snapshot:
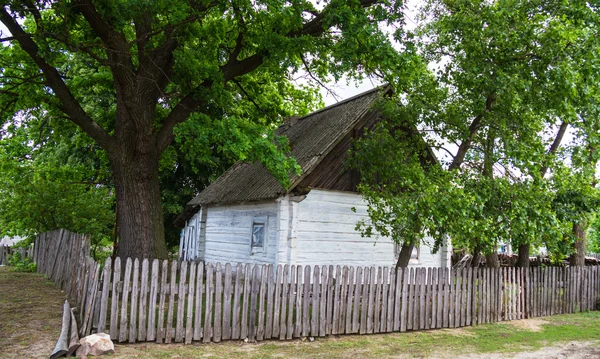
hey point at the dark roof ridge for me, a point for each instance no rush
(383, 88)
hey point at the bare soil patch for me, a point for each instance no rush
(571, 350)
(30, 315)
(533, 325)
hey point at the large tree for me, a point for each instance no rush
(128, 72)
(506, 79)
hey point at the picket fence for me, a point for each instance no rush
(162, 301)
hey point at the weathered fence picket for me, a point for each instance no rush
(185, 302)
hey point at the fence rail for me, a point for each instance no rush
(175, 301)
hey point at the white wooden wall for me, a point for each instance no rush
(228, 233)
(326, 234)
(315, 229)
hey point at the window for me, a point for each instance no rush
(259, 235)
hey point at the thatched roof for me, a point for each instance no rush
(311, 138)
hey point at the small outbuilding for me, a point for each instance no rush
(246, 216)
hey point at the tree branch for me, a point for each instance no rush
(473, 128)
(554, 147)
(69, 104)
(234, 68)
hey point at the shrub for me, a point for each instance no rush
(21, 264)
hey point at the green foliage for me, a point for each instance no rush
(40, 192)
(21, 264)
(202, 84)
(502, 77)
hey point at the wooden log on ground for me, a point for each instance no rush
(74, 338)
(62, 345)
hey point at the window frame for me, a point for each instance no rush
(263, 220)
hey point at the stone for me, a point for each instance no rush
(94, 345)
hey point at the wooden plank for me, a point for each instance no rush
(253, 303)
(245, 302)
(189, 319)
(262, 293)
(134, 301)
(428, 298)
(114, 302)
(440, 297)
(306, 302)
(464, 296)
(181, 292)
(226, 326)
(284, 301)
(331, 280)
(106, 274)
(277, 302)
(357, 300)
(91, 295)
(422, 297)
(398, 298)
(237, 299)
(124, 302)
(534, 289)
(453, 294)
(314, 322)
(198, 329)
(434, 298)
(169, 333)
(323, 305)
(218, 300)
(349, 302)
(270, 300)
(384, 300)
(520, 293)
(160, 332)
(299, 292)
(391, 289)
(291, 303)
(208, 306)
(371, 303)
(469, 303)
(143, 313)
(364, 305)
(377, 304)
(410, 299)
(341, 284)
(404, 300)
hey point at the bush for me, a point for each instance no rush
(21, 264)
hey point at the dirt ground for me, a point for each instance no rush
(30, 320)
(30, 315)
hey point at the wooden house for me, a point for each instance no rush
(246, 216)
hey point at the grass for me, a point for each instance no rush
(491, 338)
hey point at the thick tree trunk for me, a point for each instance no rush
(523, 257)
(405, 254)
(491, 260)
(578, 258)
(140, 220)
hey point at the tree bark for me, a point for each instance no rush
(523, 257)
(140, 220)
(491, 260)
(405, 254)
(578, 258)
